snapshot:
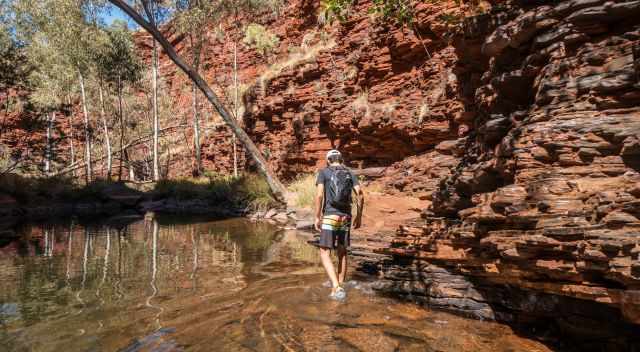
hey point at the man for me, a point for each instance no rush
(334, 185)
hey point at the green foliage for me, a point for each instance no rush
(59, 42)
(399, 11)
(256, 192)
(13, 62)
(261, 39)
(116, 58)
(52, 75)
(334, 9)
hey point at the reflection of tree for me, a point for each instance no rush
(98, 273)
(68, 256)
(85, 257)
(154, 271)
(105, 266)
(195, 237)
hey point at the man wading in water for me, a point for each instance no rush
(333, 217)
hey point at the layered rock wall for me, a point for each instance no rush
(544, 199)
(378, 92)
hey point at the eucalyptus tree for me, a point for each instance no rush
(64, 25)
(148, 23)
(14, 66)
(156, 11)
(191, 19)
(49, 79)
(151, 7)
(117, 65)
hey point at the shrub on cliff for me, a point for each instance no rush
(261, 39)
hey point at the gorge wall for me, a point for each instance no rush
(519, 128)
(377, 92)
(539, 216)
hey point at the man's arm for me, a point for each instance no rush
(359, 206)
(319, 203)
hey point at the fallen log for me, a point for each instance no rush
(81, 164)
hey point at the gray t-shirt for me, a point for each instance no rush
(324, 176)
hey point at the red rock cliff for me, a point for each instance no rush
(521, 128)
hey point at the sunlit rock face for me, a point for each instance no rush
(545, 196)
(378, 92)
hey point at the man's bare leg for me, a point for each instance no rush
(325, 257)
(342, 264)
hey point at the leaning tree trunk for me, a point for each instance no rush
(105, 128)
(196, 48)
(156, 124)
(276, 187)
(87, 131)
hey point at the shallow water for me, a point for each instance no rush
(208, 286)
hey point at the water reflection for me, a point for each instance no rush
(166, 285)
(102, 275)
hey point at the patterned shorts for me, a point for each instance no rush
(335, 231)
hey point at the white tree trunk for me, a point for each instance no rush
(122, 131)
(87, 131)
(71, 147)
(156, 124)
(49, 151)
(235, 106)
(105, 128)
(196, 130)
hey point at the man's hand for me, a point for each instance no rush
(318, 223)
(357, 222)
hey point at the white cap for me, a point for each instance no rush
(333, 152)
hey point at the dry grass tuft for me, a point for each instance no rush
(361, 104)
(303, 189)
